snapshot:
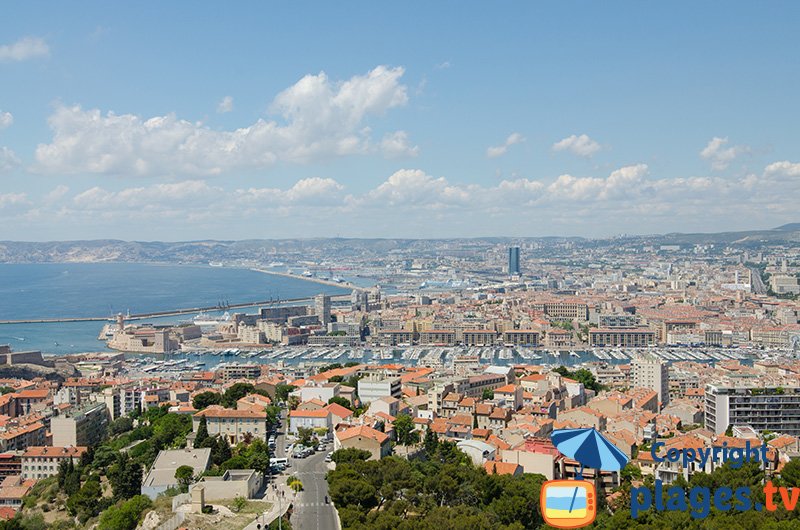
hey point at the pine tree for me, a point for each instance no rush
(202, 432)
(431, 442)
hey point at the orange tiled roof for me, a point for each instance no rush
(364, 432)
(53, 452)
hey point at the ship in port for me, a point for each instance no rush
(204, 319)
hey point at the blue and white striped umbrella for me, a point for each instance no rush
(590, 448)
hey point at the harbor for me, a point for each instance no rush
(438, 357)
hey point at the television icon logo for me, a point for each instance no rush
(568, 503)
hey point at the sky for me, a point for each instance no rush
(211, 120)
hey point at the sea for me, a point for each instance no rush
(68, 290)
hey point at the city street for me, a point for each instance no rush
(310, 510)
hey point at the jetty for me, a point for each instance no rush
(170, 312)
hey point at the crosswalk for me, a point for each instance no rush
(309, 504)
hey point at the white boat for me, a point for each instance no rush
(204, 319)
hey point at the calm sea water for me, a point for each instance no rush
(32, 291)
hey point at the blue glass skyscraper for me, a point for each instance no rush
(513, 261)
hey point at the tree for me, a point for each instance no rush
(791, 473)
(260, 462)
(236, 392)
(126, 515)
(84, 504)
(339, 400)
(87, 458)
(350, 455)
(202, 432)
(184, 475)
(170, 430)
(273, 414)
(220, 450)
(239, 503)
(404, 428)
(72, 482)
(120, 425)
(488, 393)
(125, 477)
(282, 391)
(431, 442)
(205, 399)
(304, 435)
(630, 472)
(6, 390)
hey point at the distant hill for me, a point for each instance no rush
(320, 249)
(791, 227)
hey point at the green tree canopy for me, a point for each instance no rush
(205, 399)
(236, 392)
(339, 400)
(404, 429)
(184, 475)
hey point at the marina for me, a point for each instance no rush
(439, 357)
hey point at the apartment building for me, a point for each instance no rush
(234, 425)
(42, 461)
(624, 337)
(521, 337)
(479, 337)
(438, 337)
(80, 426)
(775, 409)
(232, 372)
(653, 373)
(372, 388)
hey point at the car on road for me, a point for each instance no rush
(328, 457)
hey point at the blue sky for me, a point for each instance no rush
(427, 119)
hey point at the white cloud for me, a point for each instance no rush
(414, 186)
(500, 150)
(314, 190)
(396, 145)
(444, 65)
(25, 48)
(411, 202)
(155, 197)
(784, 168)
(8, 160)
(6, 119)
(225, 105)
(618, 183)
(10, 200)
(719, 155)
(55, 195)
(321, 119)
(578, 145)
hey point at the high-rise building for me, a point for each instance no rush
(322, 308)
(775, 409)
(650, 372)
(513, 261)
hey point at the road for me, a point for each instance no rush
(310, 510)
(757, 284)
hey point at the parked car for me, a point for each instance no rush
(328, 457)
